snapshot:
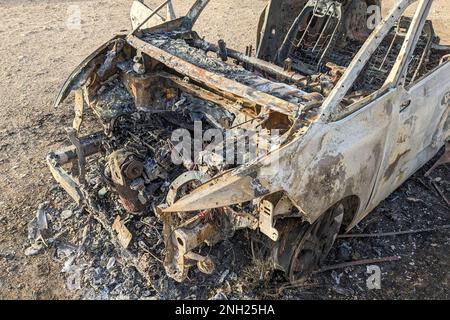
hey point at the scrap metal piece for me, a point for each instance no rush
(90, 145)
(66, 181)
(183, 180)
(79, 109)
(180, 241)
(222, 53)
(241, 220)
(227, 189)
(266, 220)
(123, 234)
(55, 160)
(81, 161)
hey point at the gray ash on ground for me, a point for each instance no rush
(95, 267)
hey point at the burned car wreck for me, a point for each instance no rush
(337, 116)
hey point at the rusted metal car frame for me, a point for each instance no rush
(338, 156)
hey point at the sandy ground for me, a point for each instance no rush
(37, 52)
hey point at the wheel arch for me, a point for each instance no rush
(350, 203)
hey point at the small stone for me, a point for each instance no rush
(33, 250)
(223, 276)
(102, 192)
(68, 265)
(111, 263)
(344, 251)
(219, 296)
(232, 276)
(66, 214)
(343, 291)
(336, 277)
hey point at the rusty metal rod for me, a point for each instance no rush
(357, 263)
(389, 234)
(441, 193)
(90, 145)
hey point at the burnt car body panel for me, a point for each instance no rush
(339, 148)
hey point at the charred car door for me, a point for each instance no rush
(422, 106)
(405, 75)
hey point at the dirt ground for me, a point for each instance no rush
(38, 51)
